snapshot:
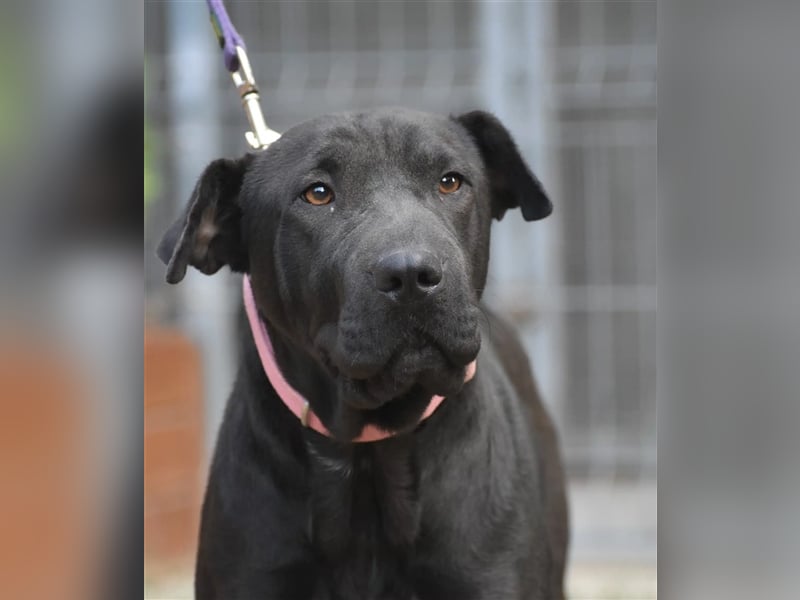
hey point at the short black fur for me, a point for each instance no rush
(467, 504)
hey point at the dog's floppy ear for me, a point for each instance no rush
(511, 182)
(208, 235)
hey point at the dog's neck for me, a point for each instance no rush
(363, 497)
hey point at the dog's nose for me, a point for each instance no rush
(407, 275)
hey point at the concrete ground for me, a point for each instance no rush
(584, 582)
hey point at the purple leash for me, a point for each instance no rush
(227, 35)
(233, 51)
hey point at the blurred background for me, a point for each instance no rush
(575, 83)
(70, 299)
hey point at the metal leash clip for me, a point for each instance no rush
(260, 136)
(236, 62)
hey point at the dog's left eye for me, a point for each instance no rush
(318, 194)
(449, 183)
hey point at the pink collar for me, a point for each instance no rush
(291, 397)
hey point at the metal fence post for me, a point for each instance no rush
(207, 302)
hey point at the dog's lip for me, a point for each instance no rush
(365, 370)
(327, 363)
(353, 367)
(366, 400)
(357, 372)
(387, 385)
(370, 364)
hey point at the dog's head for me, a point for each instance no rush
(366, 237)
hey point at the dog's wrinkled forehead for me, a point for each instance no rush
(376, 144)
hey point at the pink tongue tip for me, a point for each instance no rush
(471, 368)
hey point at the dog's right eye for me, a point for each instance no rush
(450, 183)
(318, 194)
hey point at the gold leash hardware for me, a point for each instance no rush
(304, 415)
(260, 136)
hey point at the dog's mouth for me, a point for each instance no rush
(415, 370)
(387, 376)
(409, 373)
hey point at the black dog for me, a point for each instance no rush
(366, 241)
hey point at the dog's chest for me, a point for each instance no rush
(364, 518)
